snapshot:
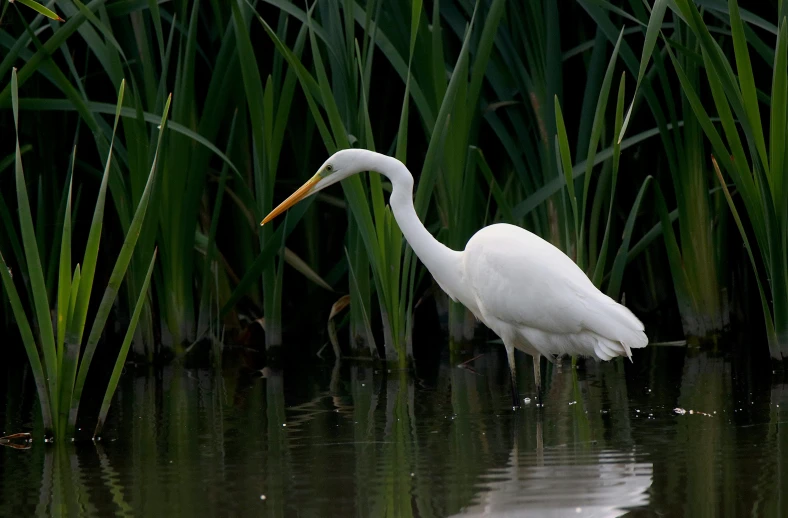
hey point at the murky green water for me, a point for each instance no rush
(355, 442)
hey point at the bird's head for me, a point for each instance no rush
(342, 164)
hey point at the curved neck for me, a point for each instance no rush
(441, 261)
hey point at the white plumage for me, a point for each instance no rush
(534, 296)
(523, 288)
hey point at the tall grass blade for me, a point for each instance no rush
(652, 32)
(29, 342)
(597, 126)
(746, 79)
(210, 252)
(35, 272)
(40, 9)
(10, 233)
(373, 348)
(124, 349)
(116, 277)
(681, 282)
(72, 300)
(601, 260)
(261, 120)
(76, 324)
(620, 262)
(64, 277)
(564, 161)
(94, 237)
(767, 313)
(495, 190)
(778, 119)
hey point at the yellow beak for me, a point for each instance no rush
(294, 198)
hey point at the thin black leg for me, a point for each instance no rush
(515, 394)
(513, 371)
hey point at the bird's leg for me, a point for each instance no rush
(538, 376)
(515, 394)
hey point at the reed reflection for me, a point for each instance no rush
(353, 439)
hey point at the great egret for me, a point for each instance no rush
(527, 291)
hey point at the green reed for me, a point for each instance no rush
(394, 274)
(695, 258)
(702, 300)
(559, 197)
(181, 224)
(756, 165)
(379, 236)
(59, 361)
(37, 7)
(757, 170)
(465, 68)
(460, 206)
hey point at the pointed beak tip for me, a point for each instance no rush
(294, 198)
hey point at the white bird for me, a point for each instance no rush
(534, 297)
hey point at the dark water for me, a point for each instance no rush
(351, 441)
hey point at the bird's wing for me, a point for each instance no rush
(523, 280)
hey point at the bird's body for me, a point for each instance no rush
(526, 290)
(534, 296)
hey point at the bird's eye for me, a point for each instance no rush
(329, 168)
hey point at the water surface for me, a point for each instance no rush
(678, 433)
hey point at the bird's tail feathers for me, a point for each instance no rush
(616, 329)
(607, 349)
